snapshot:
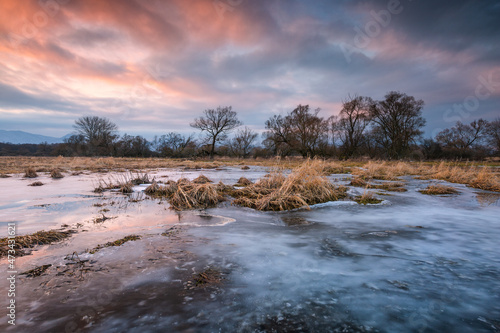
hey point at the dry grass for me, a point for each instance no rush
(384, 170)
(118, 242)
(37, 271)
(335, 168)
(29, 241)
(243, 182)
(209, 276)
(475, 174)
(186, 194)
(305, 186)
(438, 190)
(36, 184)
(245, 167)
(201, 179)
(56, 174)
(389, 186)
(30, 173)
(3, 175)
(358, 181)
(367, 198)
(477, 177)
(189, 195)
(123, 183)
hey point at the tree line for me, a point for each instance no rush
(390, 128)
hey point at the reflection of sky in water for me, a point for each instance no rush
(417, 263)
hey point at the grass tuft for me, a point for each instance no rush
(201, 179)
(117, 242)
(30, 173)
(37, 271)
(56, 174)
(367, 198)
(305, 186)
(30, 241)
(209, 276)
(36, 184)
(438, 190)
(243, 182)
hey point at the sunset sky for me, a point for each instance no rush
(153, 66)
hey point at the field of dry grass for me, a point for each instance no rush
(475, 174)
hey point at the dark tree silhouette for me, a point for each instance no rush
(302, 130)
(99, 133)
(354, 119)
(461, 138)
(398, 121)
(217, 124)
(242, 143)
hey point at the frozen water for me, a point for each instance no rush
(415, 264)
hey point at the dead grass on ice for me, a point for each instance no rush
(304, 186)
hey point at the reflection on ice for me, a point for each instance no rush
(419, 264)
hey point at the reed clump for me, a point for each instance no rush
(384, 170)
(358, 181)
(243, 182)
(56, 174)
(477, 177)
(305, 186)
(186, 194)
(29, 241)
(201, 179)
(389, 186)
(30, 173)
(124, 183)
(367, 198)
(438, 189)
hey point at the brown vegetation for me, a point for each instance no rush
(56, 174)
(305, 186)
(207, 277)
(30, 173)
(186, 194)
(115, 243)
(29, 241)
(474, 174)
(36, 184)
(37, 271)
(201, 179)
(367, 198)
(438, 189)
(243, 182)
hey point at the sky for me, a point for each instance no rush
(153, 66)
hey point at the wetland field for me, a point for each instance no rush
(159, 245)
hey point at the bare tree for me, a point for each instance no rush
(302, 130)
(354, 119)
(462, 137)
(278, 136)
(493, 134)
(398, 121)
(174, 144)
(99, 133)
(217, 124)
(242, 143)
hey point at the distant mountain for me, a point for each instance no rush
(18, 137)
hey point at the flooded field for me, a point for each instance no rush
(412, 263)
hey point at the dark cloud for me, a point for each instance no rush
(155, 65)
